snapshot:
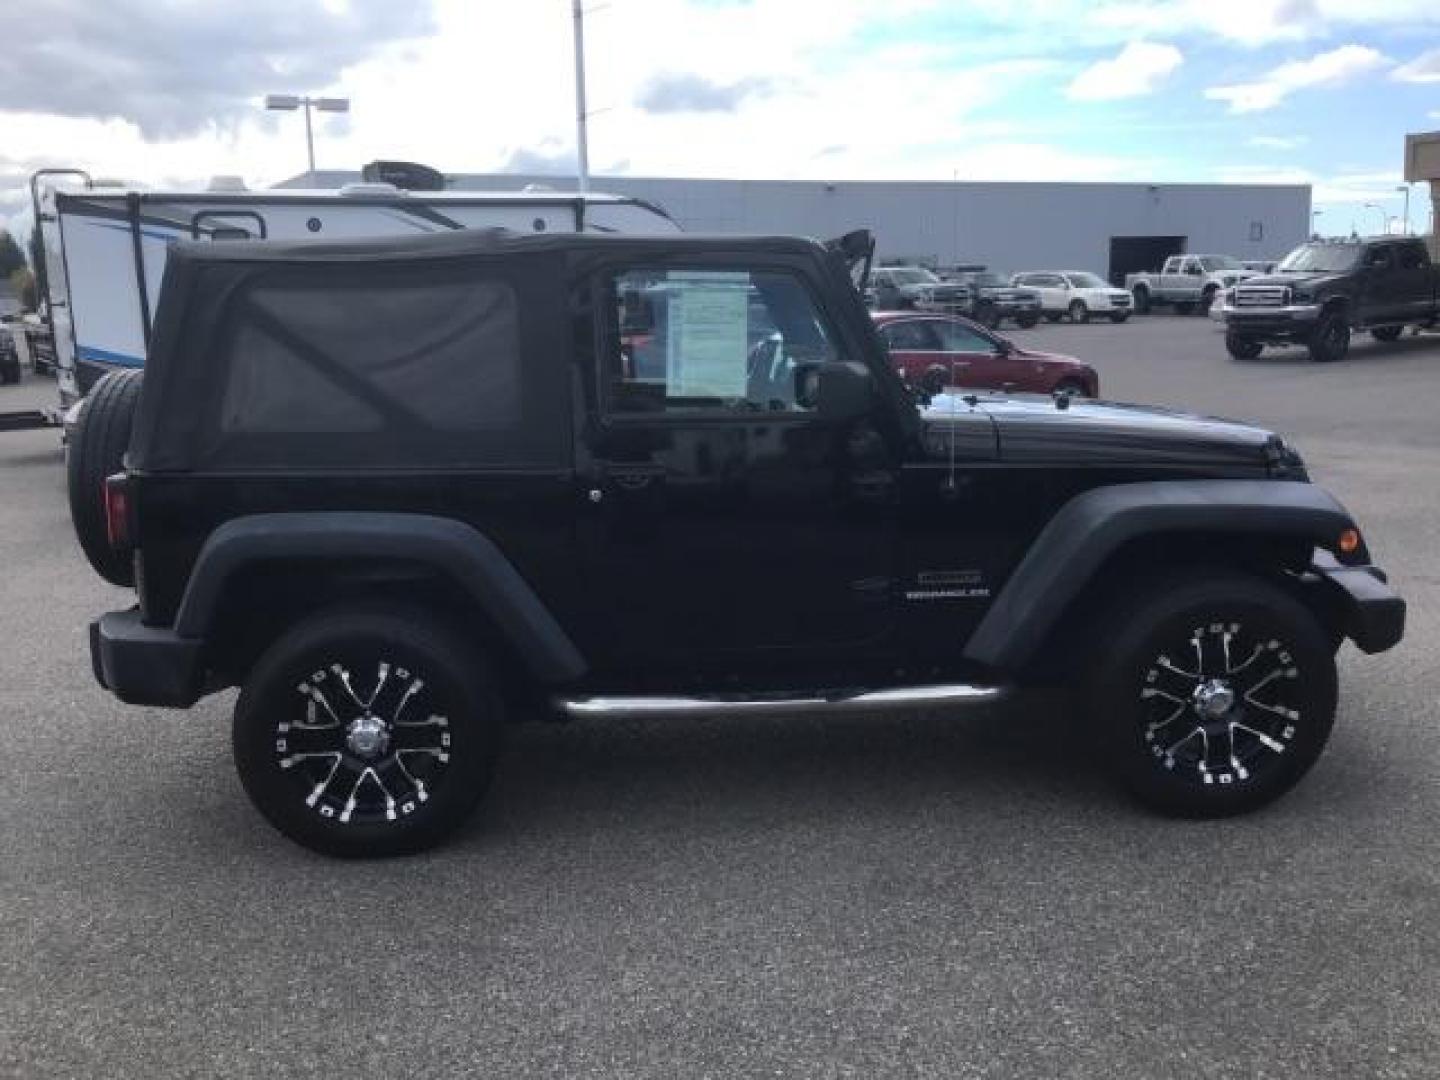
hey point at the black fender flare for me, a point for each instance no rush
(457, 550)
(1092, 526)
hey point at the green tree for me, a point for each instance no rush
(11, 257)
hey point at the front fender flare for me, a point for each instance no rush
(455, 549)
(1095, 524)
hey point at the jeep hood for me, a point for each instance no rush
(1030, 428)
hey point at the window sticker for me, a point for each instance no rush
(708, 334)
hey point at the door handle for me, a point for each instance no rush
(634, 477)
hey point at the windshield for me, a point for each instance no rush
(1087, 280)
(1320, 259)
(1220, 262)
(912, 275)
(988, 278)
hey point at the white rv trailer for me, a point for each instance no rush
(105, 247)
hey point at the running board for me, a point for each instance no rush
(840, 701)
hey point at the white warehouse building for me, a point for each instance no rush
(1112, 229)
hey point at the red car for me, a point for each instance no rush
(966, 354)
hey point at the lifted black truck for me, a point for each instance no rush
(400, 491)
(1325, 290)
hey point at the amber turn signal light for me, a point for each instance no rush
(1349, 542)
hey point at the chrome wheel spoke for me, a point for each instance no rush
(364, 749)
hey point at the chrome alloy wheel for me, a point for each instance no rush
(363, 748)
(1221, 707)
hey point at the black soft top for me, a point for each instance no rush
(479, 242)
(444, 350)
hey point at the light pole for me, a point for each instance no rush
(582, 138)
(1405, 188)
(291, 102)
(1384, 218)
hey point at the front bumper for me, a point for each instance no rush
(1367, 609)
(1289, 320)
(145, 665)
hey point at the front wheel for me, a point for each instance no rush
(1330, 340)
(1142, 301)
(1241, 347)
(1118, 317)
(1386, 333)
(1213, 696)
(1052, 316)
(367, 732)
(1079, 313)
(1027, 321)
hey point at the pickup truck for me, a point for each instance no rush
(1186, 281)
(1324, 290)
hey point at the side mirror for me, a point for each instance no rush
(836, 390)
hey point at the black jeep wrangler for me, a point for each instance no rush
(401, 491)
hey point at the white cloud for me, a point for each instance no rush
(1254, 22)
(1138, 69)
(1324, 69)
(1425, 68)
(1344, 188)
(1278, 142)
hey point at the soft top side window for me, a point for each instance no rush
(720, 341)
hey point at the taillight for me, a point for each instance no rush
(117, 511)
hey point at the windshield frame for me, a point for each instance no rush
(1084, 279)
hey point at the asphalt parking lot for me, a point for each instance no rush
(936, 895)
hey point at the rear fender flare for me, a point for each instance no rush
(457, 550)
(1092, 526)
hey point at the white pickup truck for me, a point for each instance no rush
(1189, 282)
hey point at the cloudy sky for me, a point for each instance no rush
(167, 92)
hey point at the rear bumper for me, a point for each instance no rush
(144, 665)
(1369, 611)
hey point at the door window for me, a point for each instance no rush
(1412, 257)
(719, 341)
(912, 336)
(1378, 259)
(957, 337)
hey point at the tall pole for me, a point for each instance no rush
(1407, 209)
(582, 144)
(309, 141)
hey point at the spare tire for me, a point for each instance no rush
(97, 450)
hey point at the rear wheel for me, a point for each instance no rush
(1078, 312)
(97, 450)
(1241, 347)
(367, 733)
(1184, 307)
(1207, 298)
(1386, 333)
(1142, 301)
(1052, 316)
(1213, 696)
(1027, 321)
(1330, 340)
(9, 366)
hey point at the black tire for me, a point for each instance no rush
(1330, 340)
(436, 781)
(1027, 321)
(1241, 347)
(1184, 307)
(97, 450)
(1118, 317)
(987, 315)
(1071, 386)
(1178, 758)
(1142, 301)
(1386, 333)
(9, 363)
(1078, 312)
(1207, 299)
(1052, 316)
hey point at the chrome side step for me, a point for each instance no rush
(840, 701)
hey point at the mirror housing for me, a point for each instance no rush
(836, 390)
